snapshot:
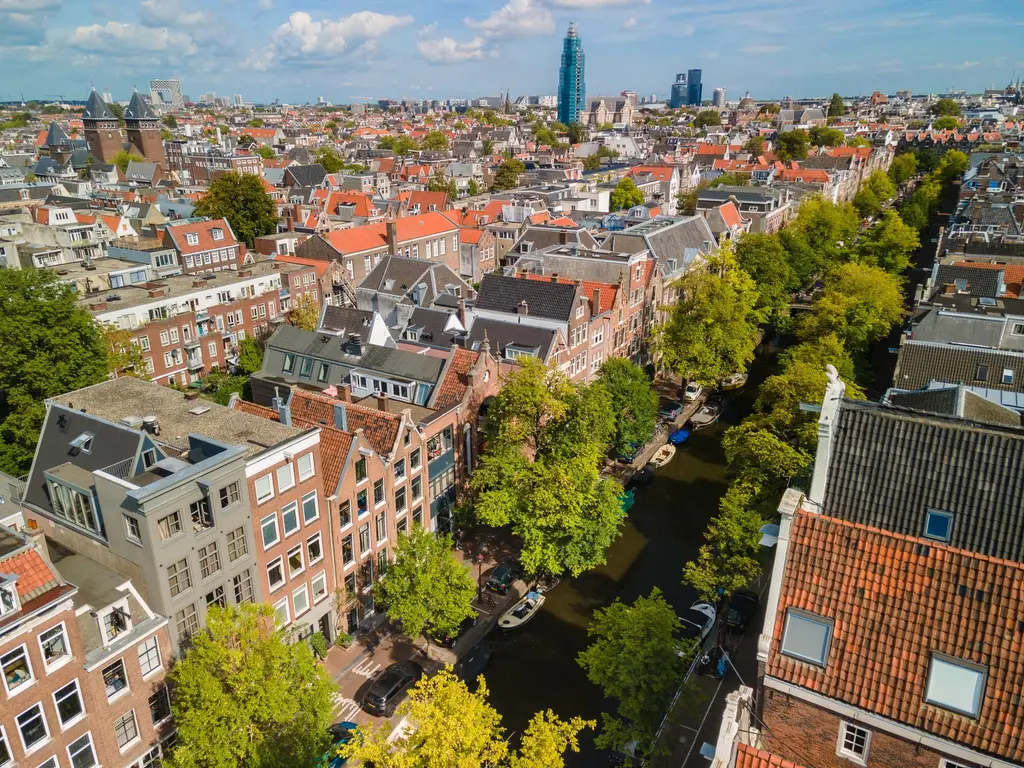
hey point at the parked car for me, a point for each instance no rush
(340, 733)
(503, 578)
(388, 688)
(448, 641)
(629, 455)
(741, 609)
(473, 663)
(669, 409)
(692, 392)
(697, 621)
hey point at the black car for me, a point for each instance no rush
(503, 578)
(472, 665)
(741, 609)
(448, 641)
(388, 689)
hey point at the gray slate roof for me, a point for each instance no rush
(922, 362)
(346, 320)
(954, 400)
(96, 108)
(980, 280)
(138, 109)
(501, 334)
(888, 467)
(959, 328)
(543, 299)
(305, 175)
(55, 136)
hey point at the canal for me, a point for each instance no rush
(535, 669)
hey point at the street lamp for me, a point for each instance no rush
(479, 575)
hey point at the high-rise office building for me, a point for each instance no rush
(678, 97)
(236, 100)
(718, 98)
(694, 88)
(572, 88)
(166, 94)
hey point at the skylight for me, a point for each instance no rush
(806, 637)
(955, 685)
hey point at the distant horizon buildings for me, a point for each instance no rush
(166, 93)
(687, 90)
(718, 98)
(572, 85)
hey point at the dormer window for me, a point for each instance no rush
(192, 238)
(115, 623)
(218, 233)
(82, 443)
(8, 598)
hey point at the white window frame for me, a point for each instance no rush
(7, 746)
(61, 661)
(92, 748)
(967, 666)
(263, 498)
(841, 749)
(321, 578)
(134, 538)
(316, 507)
(145, 650)
(138, 734)
(294, 506)
(305, 595)
(279, 473)
(284, 574)
(815, 619)
(81, 701)
(302, 556)
(304, 473)
(283, 603)
(46, 727)
(33, 678)
(277, 532)
(309, 560)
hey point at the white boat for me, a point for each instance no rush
(706, 416)
(734, 381)
(522, 612)
(663, 455)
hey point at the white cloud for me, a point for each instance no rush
(629, 23)
(170, 13)
(520, 18)
(583, 4)
(763, 49)
(428, 30)
(447, 50)
(265, 5)
(115, 36)
(29, 6)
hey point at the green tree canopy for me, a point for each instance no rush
(472, 189)
(836, 108)
(634, 658)
(435, 141)
(427, 590)
(241, 199)
(508, 174)
(876, 191)
(945, 107)
(441, 184)
(820, 136)
(860, 304)
(124, 157)
(577, 133)
(170, 121)
(820, 237)
(487, 147)
(264, 151)
(712, 330)
(118, 111)
(256, 122)
(400, 145)
(903, 167)
(755, 146)
(49, 345)
(791, 145)
(888, 244)
(764, 259)
(945, 123)
(305, 313)
(707, 117)
(858, 141)
(634, 402)
(625, 195)
(244, 694)
(245, 140)
(539, 471)
(329, 159)
(124, 356)
(250, 355)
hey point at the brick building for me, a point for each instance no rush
(204, 245)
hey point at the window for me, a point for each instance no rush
(81, 752)
(268, 528)
(1018, 329)
(236, 544)
(305, 464)
(178, 577)
(192, 238)
(126, 729)
(296, 561)
(382, 562)
(115, 622)
(149, 656)
(347, 553)
(209, 560)
(32, 726)
(54, 645)
(414, 459)
(229, 495)
(275, 574)
(187, 622)
(174, 335)
(360, 470)
(68, 701)
(854, 742)
(938, 524)
(242, 583)
(17, 670)
(149, 457)
(417, 488)
(382, 527)
(362, 505)
(955, 685)
(5, 749)
(165, 339)
(319, 585)
(216, 597)
(400, 503)
(982, 373)
(417, 516)
(306, 367)
(132, 531)
(309, 508)
(170, 526)
(281, 612)
(364, 538)
(378, 493)
(264, 489)
(289, 363)
(314, 549)
(50, 762)
(300, 601)
(402, 526)
(290, 519)
(322, 371)
(115, 678)
(806, 637)
(160, 706)
(218, 233)
(285, 478)
(1007, 377)
(74, 506)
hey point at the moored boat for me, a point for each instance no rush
(522, 612)
(734, 381)
(663, 455)
(707, 415)
(681, 435)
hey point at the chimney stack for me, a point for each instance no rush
(826, 429)
(461, 312)
(391, 229)
(382, 401)
(523, 308)
(345, 393)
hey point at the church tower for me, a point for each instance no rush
(101, 131)
(143, 128)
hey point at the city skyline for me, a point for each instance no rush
(296, 50)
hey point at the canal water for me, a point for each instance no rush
(535, 668)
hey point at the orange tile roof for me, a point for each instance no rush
(455, 383)
(425, 199)
(319, 266)
(470, 236)
(1013, 275)
(362, 204)
(204, 231)
(372, 236)
(711, 149)
(562, 221)
(660, 172)
(730, 214)
(894, 601)
(807, 175)
(752, 757)
(379, 427)
(600, 295)
(34, 574)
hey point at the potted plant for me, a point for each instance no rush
(344, 640)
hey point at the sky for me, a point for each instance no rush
(350, 50)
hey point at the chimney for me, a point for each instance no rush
(554, 277)
(382, 401)
(391, 229)
(461, 312)
(354, 345)
(341, 416)
(826, 424)
(523, 308)
(296, 211)
(291, 223)
(345, 393)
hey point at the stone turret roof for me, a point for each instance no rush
(138, 109)
(96, 108)
(55, 136)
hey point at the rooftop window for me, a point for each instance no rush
(938, 524)
(955, 684)
(806, 637)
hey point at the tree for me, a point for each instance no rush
(706, 118)
(712, 330)
(487, 147)
(559, 127)
(473, 189)
(118, 111)
(626, 195)
(755, 146)
(766, 261)
(332, 127)
(124, 356)
(441, 184)
(860, 304)
(633, 657)
(634, 402)
(945, 123)
(508, 174)
(427, 591)
(305, 313)
(49, 345)
(686, 202)
(876, 191)
(264, 151)
(945, 107)
(250, 355)
(888, 244)
(836, 108)
(31, 178)
(329, 158)
(256, 122)
(820, 136)
(791, 145)
(245, 695)
(400, 145)
(820, 237)
(858, 141)
(241, 199)
(577, 133)
(170, 121)
(245, 140)
(903, 167)
(124, 157)
(453, 726)
(539, 471)
(435, 141)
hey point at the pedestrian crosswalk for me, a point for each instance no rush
(345, 708)
(366, 668)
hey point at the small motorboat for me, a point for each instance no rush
(734, 381)
(663, 456)
(681, 435)
(522, 612)
(706, 416)
(643, 476)
(547, 583)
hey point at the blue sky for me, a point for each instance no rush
(343, 50)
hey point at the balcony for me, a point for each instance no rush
(195, 362)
